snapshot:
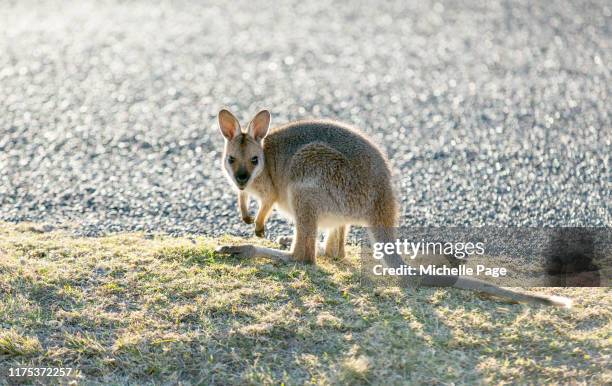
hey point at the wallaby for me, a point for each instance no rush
(323, 175)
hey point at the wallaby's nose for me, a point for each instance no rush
(242, 176)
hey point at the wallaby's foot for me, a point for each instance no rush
(334, 243)
(248, 251)
(248, 219)
(284, 241)
(334, 252)
(243, 251)
(260, 232)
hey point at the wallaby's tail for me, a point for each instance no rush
(383, 230)
(387, 234)
(470, 284)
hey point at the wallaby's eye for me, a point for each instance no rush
(254, 160)
(231, 159)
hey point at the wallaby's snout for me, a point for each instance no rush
(243, 156)
(242, 177)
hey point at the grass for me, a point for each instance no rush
(162, 310)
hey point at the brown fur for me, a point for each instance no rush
(327, 176)
(324, 175)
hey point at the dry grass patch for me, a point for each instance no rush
(162, 310)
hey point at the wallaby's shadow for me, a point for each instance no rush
(404, 323)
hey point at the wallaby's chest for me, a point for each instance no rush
(280, 200)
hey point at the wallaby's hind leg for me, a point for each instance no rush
(333, 246)
(304, 246)
(334, 243)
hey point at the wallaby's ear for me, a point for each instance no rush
(258, 128)
(228, 124)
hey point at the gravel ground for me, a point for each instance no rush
(491, 112)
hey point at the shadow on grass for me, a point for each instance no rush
(416, 335)
(189, 314)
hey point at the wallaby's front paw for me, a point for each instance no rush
(248, 219)
(237, 250)
(260, 232)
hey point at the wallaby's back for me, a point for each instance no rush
(349, 174)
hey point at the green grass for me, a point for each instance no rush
(130, 308)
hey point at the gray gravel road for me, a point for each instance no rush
(491, 112)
